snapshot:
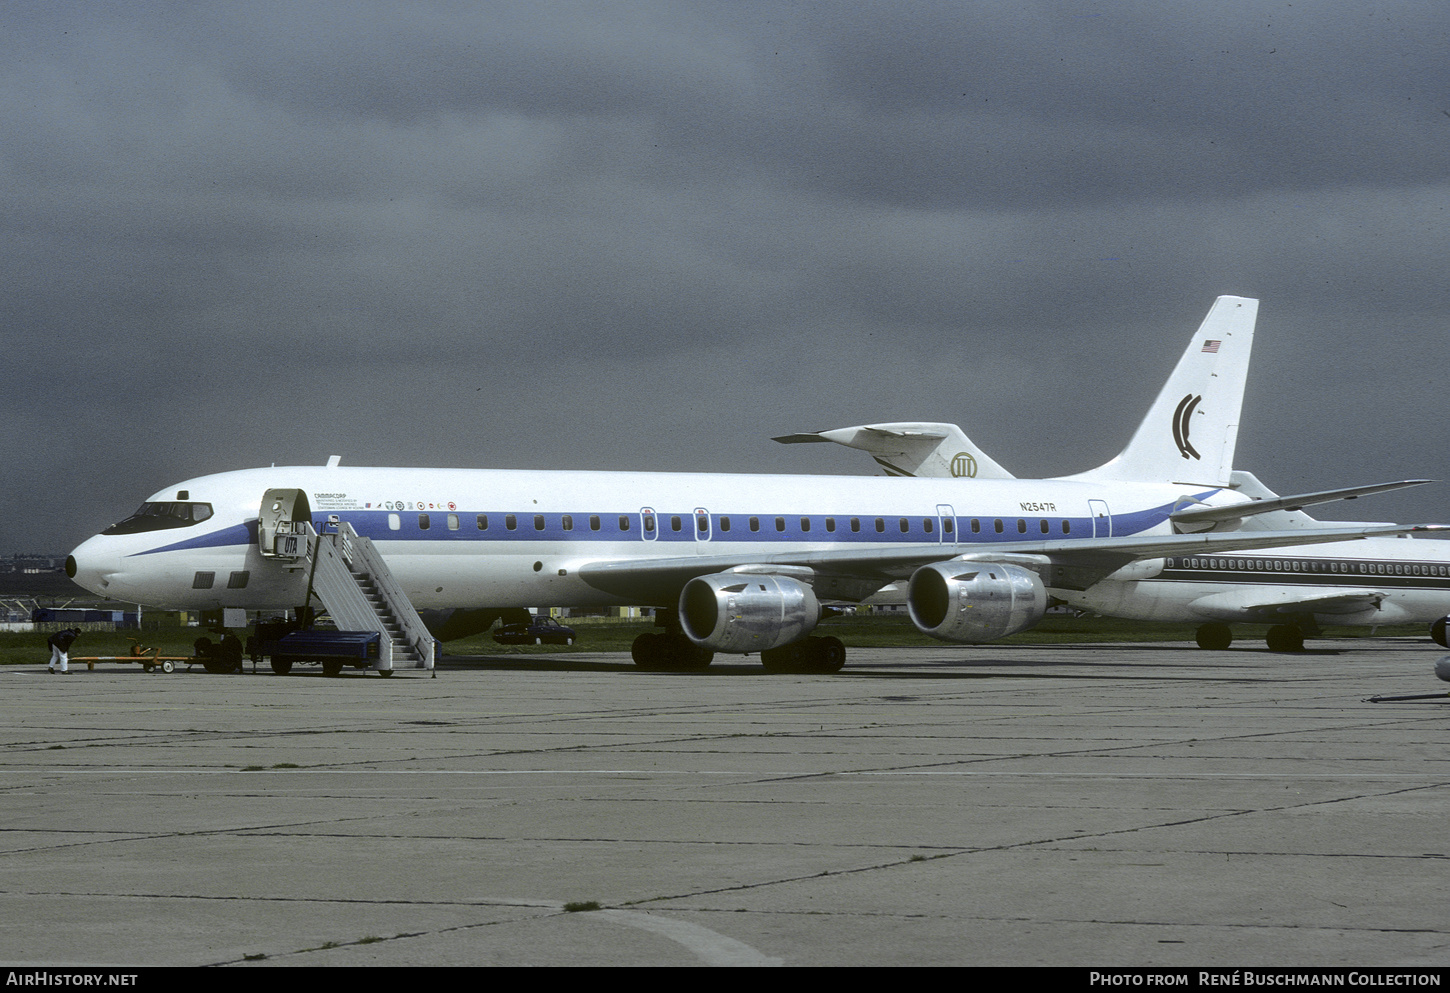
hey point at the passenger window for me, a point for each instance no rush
(880, 525)
(1066, 526)
(511, 522)
(976, 526)
(724, 524)
(483, 522)
(1043, 522)
(593, 522)
(702, 523)
(423, 522)
(675, 523)
(538, 522)
(755, 524)
(453, 522)
(855, 525)
(997, 524)
(905, 527)
(568, 522)
(830, 525)
(948, 526)
(805, 524)
(395, 523)
(649, 523)
(927, 525)
(623, 522)
(780, 524)
(1021, 526)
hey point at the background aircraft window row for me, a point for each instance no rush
(1314, 566)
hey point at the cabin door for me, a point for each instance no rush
(277, 533)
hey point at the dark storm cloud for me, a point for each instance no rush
(653, 235)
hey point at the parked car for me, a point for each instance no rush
(539, 630)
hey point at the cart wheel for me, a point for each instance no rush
(167, 667)
(148, 668)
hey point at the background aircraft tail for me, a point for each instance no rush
(1191, 430)
(912, 448)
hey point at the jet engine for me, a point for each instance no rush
(738, 612)
(973, 602)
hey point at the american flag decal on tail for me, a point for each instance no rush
(1210, 345)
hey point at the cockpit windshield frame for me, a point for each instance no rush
(162, 516)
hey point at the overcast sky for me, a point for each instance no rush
(653, 235)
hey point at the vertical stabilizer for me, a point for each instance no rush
(1191, 430)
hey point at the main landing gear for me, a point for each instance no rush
(1216, 636)
(670, 651)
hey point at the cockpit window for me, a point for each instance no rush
(161, 516)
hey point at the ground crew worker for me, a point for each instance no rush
(60, 643)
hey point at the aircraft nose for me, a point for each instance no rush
(92, 566)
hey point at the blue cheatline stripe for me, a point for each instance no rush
(374, 524)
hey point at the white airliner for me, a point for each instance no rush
(735, 563)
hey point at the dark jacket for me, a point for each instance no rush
(62, 640)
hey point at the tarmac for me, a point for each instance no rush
(1086, 805)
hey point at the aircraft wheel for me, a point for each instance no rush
(794, 657)
(1214, 637)
(1438, 634)
(332, 667)
(828, 655)
(692, 656)
(1285, 638)
(646, 652)
(281, 664)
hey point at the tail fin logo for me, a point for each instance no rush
(1181, 424)
(964, 466)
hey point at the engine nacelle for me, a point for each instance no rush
(737, 612)
(973, 602)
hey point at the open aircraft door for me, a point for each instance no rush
(279, 524)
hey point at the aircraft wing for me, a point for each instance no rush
(1209, 516)
(854, 574)
(1245, 603)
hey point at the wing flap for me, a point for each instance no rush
(1245, 603)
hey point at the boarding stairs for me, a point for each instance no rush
(360, 594)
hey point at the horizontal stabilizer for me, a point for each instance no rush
(1200, 516)
(912, 448)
